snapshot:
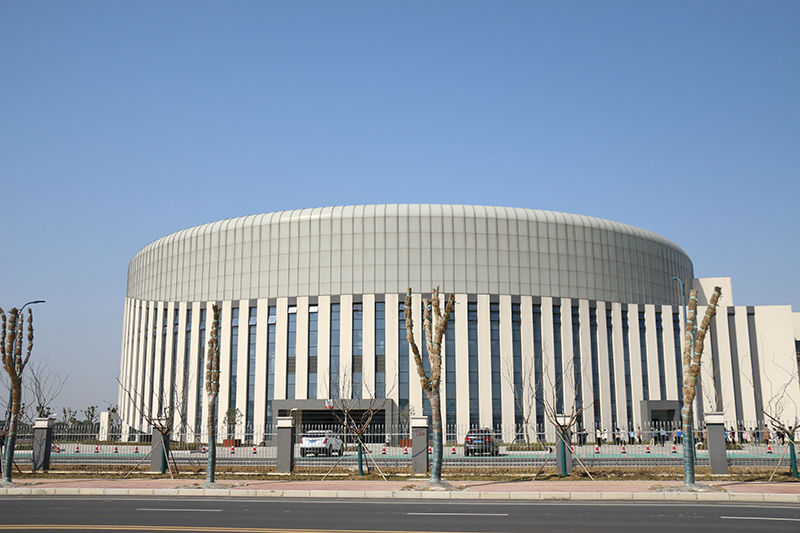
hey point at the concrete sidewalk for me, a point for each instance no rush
(785, 492)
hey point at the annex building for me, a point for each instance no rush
(550, 307)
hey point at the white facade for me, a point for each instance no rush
(309, 294)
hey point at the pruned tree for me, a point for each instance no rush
(212, 392)
(435, 324)
(692, 353)
(14, 362)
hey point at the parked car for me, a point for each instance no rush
(321, 443)
(480, 441)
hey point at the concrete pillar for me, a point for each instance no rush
(42, 442)
(419, 444)
(717, 454)
(285, 438)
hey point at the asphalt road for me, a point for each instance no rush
(276, 515)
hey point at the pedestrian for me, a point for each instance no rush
(631, 437)
(598, 437)
(639, 434)
(766, 434)
(678, 436)
(662, 434)
(605, 435)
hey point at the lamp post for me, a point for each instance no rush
(31, 303)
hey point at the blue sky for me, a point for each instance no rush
(121, 122)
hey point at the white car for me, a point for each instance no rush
(321, 442)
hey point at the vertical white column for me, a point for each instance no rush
(368, 346)
(548, 363)
(346, 346)
(672, 376)
(281, 344)
(507, 368)
(301, 353)
(605, 369)
(484, 361)
(392, 349)
(324, 347)
(462, 360)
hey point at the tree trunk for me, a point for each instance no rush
(438, 442)
(11, 438)
(212, 439)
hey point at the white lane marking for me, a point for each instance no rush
(184, 510)
(760, 518)
(459, 514)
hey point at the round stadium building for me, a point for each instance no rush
(551, 308)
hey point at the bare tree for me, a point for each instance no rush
(163, 418)
(782, 410)
(355, 414)
(11, 341)
(434, 325)
(558, 396)
(692, 353)
(43, 387)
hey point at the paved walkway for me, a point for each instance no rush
(785, 492)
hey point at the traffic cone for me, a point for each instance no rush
(96, 449)
(648, 449)
(232, 449)
(454, 449)
(383, 450)
(203, 449)
(769, 448)
(77, 449)
(571, 448)
(596, 448)
(405, 450)
(136, 449)
(430, 449)
(116, 450)
(623, 449)
(674, 449)
(58, 448)
(254, 450)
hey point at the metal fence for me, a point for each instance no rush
(390, 448)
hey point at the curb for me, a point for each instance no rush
(406, 495)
